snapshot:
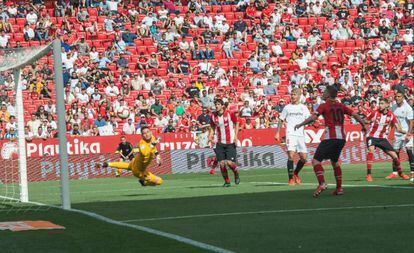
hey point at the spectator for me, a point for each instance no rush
(31, 17)
(156, 108)
(100, 121)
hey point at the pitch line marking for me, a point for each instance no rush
(269, 212)
(345, 185)
(175, 237)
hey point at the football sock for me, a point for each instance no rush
(299, 166)
(224, 173)
(318, 169)
(411, 159)
(397, 165)
(394, 168)
(370, 159)
(233, 167)
(338, 176)
(290, 168)
(119, 171)
(119, 165)
(214, 165)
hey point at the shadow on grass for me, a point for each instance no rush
(265, 185)
(204, 187)
(138, 195)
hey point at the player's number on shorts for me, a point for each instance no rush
(337, 115)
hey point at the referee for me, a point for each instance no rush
(125, 149)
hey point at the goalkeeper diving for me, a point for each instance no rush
(146, 151)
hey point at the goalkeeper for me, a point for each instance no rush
(146, 152)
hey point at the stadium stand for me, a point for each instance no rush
(164, 61)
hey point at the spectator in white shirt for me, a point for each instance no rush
(408, 36)
(301, 42)
(129, 127)
(111, 90)
(113, 5)
(335, 34)
(31, 17)
(297, 32)
(160, 121)
(4, 40)
(319, 55)
(28, 33)
(302, 62)
(83, 97)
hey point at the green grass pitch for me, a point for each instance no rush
(262, 214)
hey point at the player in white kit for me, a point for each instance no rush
(293, 114)
(404, 114)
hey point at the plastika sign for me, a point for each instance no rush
(170, 141)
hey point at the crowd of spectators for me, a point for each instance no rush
(166, 61)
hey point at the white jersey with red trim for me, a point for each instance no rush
(380, 124)
(223, 124)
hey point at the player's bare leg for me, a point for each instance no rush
(224, 173)
(319, 172)
(411, 160)
(290, 167)
(397, 164)
(233, 166)
(370, 160)
(212, 163)
(302, 161)
(338, 177)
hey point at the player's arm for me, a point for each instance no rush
(279, 128)
(155, 151)
(410, 125)
(398, 127)
(282, 118)
(307, 121)
(236, 127)
(360, 120)
(410, 129)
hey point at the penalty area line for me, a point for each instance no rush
(344, 185)
(269, 212)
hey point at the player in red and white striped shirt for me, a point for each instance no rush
(331, 147)
(225, 126)
(382, 121)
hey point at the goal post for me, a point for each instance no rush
(15, 59)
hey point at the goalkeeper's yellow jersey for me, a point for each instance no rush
(147, 152)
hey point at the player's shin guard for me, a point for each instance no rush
(370, 159)
(338, 177)
(319, 172)
(299, 166)
(290, 168)
(411, 159)
(224, 173)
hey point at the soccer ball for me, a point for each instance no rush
(123, 112)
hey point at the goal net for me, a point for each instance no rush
(28, 114)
